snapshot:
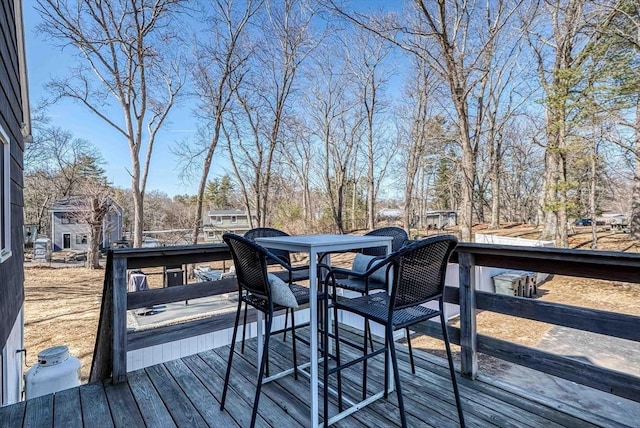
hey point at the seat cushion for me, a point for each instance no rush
(361, 263)
(259, 302)
(281, 293)
(357, 284)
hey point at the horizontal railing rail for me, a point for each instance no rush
(613, 266)
(110, 359)
(113, 341)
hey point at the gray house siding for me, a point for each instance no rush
(73, 230)
(11, 272)
(64, 223)
(12, 122)
(221, 221)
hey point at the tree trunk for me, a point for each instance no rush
(138, 213)
(635, 201)
(93, 254)
(592, 195)
(494, 178)
(468, 178)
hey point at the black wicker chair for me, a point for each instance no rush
(364, 285)
(250, 261)
(418, 271)
(297, 273)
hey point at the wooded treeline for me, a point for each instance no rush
(506, 110)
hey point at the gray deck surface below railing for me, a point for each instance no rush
(186, 393)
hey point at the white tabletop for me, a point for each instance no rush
(323, 243)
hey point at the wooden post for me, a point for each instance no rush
(119, 320)
(468, 339)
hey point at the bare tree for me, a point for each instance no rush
(458, 40)
(97, 201)
(217, 74)
(521, 180)
(335, 122)
(126, 55)
(367, 63)
(299, 156)
(621, 34)
(56, 164)
(416, 134)
(254, 133)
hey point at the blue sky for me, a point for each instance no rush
(44, 60)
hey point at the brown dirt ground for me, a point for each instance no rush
(62, 304)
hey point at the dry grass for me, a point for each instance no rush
(62, 307)
(62, 304)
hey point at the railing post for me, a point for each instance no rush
(468, 343)
(119, 320)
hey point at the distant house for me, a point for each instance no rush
(440, 219)
(70, 231)
(218, 222)
(390, 214)
(15, 131)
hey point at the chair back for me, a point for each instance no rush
(399, 235)
(268, 232)
(419, 271)
(250, 261)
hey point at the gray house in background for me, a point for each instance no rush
(218, 222)
(69, 230)
(15, 132)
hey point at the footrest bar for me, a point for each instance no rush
(352, 409)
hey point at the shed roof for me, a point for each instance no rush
(227, 212)
(76, 203)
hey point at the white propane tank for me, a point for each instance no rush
(55, 370)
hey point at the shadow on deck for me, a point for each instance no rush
(186, 393)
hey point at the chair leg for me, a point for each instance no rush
(337, 340)
(365, 348)
(452, 370)
(286, 321)
(396, 375)
(263, 362)
(325, 363)
(370, 335)
(413, 366)
(386, 365)
(293, 343)
(244, 327)
(233, 344)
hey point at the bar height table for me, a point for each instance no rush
(315, 245)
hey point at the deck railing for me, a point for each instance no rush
(114, 341)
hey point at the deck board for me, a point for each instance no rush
(153, 410)
(202, 399)
(13, 416)
(179, 405)
(123, 406)
(39, 412)
(65, 405)
(187, 393)
(95, 408)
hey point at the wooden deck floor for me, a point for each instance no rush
(186, 393)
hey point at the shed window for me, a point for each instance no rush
(81, 238)
(219, 219)
(5, 196)
(234, 219)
